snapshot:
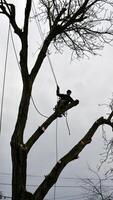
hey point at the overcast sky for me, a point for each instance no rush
(91, 81)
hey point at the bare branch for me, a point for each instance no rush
(45, 125)
(73, 154)
(9, 10)
(97, 188)
(84, 19)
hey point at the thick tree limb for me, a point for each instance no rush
(54, 31)
(73, 154)
(45, 125)
(24, 41)
(27, 14)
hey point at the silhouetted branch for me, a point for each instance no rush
(27, 14)
(45, 125)
(9, 10)
(82, 22)
(73, 154)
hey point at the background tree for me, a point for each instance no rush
(83, 26)
(97, 187)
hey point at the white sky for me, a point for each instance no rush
(90, 81)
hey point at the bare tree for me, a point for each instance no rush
(97, 187)
(107, 154)
(80, 25)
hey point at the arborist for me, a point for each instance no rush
(64, 100)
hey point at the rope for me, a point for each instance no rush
(67, 125)
(56, 139)
(15, 52)
(50, 63)
(20, 70)
(37, 108)
(56, 153)
(4, 79)
(42, 38)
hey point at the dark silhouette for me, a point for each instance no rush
(64, 100)
(79, 26)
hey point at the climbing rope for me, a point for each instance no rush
(56, 140)
(50, 63)
(37, 108)
(67, 124)
(4, 79)
(42, 38)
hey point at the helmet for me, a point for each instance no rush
(68, 92)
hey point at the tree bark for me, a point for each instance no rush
(19, 167)
(18, 148)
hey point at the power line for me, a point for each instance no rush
(57, 186)
(68, 196)
(62, 197)
(4, 79)
(62, 177)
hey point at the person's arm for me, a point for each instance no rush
(58, 90)
(58, 93)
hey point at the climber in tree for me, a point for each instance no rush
(64, 99)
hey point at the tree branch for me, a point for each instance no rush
(42, 53)
(73, 154)
(27, 14)
(45, 125)
(9, 11)
(24, 41)
(110, 116)
(78, 13)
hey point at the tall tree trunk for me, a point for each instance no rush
(19, 150)
(19, 168)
